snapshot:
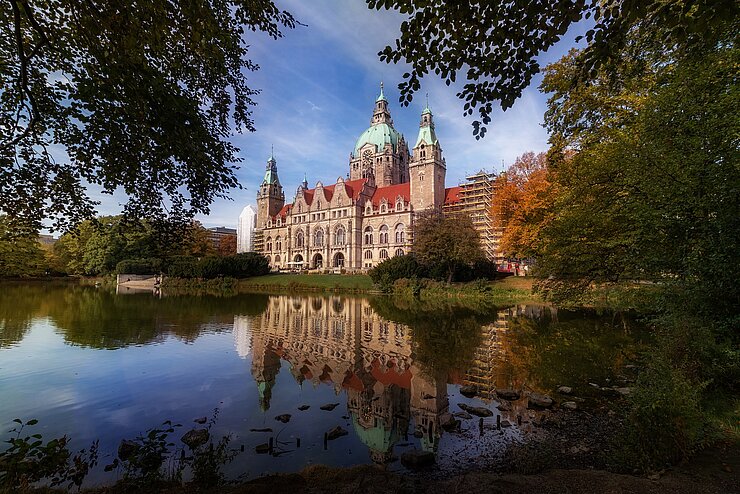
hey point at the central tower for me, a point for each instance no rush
(381, 151)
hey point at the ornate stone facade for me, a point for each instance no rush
(360, 221)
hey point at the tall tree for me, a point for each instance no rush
(522, 203)
(494, 45)
(651, 189)
(132, 95)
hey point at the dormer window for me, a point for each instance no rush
(368, 209)
(269, 223)
(383, 208)
(399, 206)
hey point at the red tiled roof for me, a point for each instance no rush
(390, 375)
(283, 212)
(353, 187)
(390, 193)
(452, 195)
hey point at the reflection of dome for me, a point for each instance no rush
(378, 438)
(380, 135)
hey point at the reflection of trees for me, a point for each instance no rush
(20, 303)
(445, 336)
(573, 348)
(98, 318)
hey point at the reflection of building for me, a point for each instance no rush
(364, 218)
(245, 230)
(345, 344)
(242, 335)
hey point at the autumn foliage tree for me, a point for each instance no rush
(522, 202)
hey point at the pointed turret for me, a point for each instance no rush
(270, 196)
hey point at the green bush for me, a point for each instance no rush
(237, 266)
(183, 267)
(387, 272)
(139, 266)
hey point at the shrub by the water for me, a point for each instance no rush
(395, 268)
(242, 265)
(139, 266)
(183, 267)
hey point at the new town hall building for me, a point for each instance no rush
(366, 218)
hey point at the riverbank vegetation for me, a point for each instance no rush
(637, 199)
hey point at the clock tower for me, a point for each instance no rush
(381, 150)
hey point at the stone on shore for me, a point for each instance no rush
(329, 406)
(569, 405)
(284, 418)
(565, 390)
(540, 401)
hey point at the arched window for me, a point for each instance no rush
(400, 233)
(277, 259)
(318, 239)
(368, 208)
(299, 239)
(384, 234)
(399, 252)
(268, 244)
(340, 238)
(368, 254)
(383, 208)
(269, 259)
(369, 235)
(399, 205)
(278, 243)
(383, 254)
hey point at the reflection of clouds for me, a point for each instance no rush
(242, 335)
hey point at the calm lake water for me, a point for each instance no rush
(93, 364)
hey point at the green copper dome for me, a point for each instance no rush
(380, 135)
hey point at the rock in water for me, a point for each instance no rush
(508, 394)
(266, 429)
(565, 390)
(448, 422)
(569, 405)
(262, 449)
(504, 406)
(336, 432)
(329, 406)
(196, 437)
(478, 411)
(417, 459)
(469, 391)
(201, 420)
(538, 400)
(463, 415)
(303, 408)
(284, 418)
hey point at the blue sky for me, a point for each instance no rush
(318, 86)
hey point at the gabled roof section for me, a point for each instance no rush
(391, 192)
(353, 187)
(452, 195)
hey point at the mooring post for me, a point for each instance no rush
(498, 421)
(270, 446)
(480, 425)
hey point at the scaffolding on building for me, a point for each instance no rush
(475, 201)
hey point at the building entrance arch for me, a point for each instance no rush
(339, 260)
(318, 261)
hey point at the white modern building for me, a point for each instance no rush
(245, 230)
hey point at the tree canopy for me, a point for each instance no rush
(447, 243)
(494, 45)
(141, 96)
